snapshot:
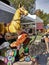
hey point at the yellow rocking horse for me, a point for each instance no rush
(15, 25)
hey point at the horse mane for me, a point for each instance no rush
(2, 28)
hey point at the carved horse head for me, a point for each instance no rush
(22, 9)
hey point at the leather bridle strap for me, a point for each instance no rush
(16, 20)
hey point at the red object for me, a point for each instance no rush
(39, 26)
(20, 40)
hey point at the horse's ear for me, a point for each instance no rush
(20, 5)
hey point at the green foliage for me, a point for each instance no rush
(43, 16)
(26, 3)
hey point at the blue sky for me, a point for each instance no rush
(43, 5)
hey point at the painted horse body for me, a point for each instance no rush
(15, 24)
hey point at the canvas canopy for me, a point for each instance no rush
(7, 12)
